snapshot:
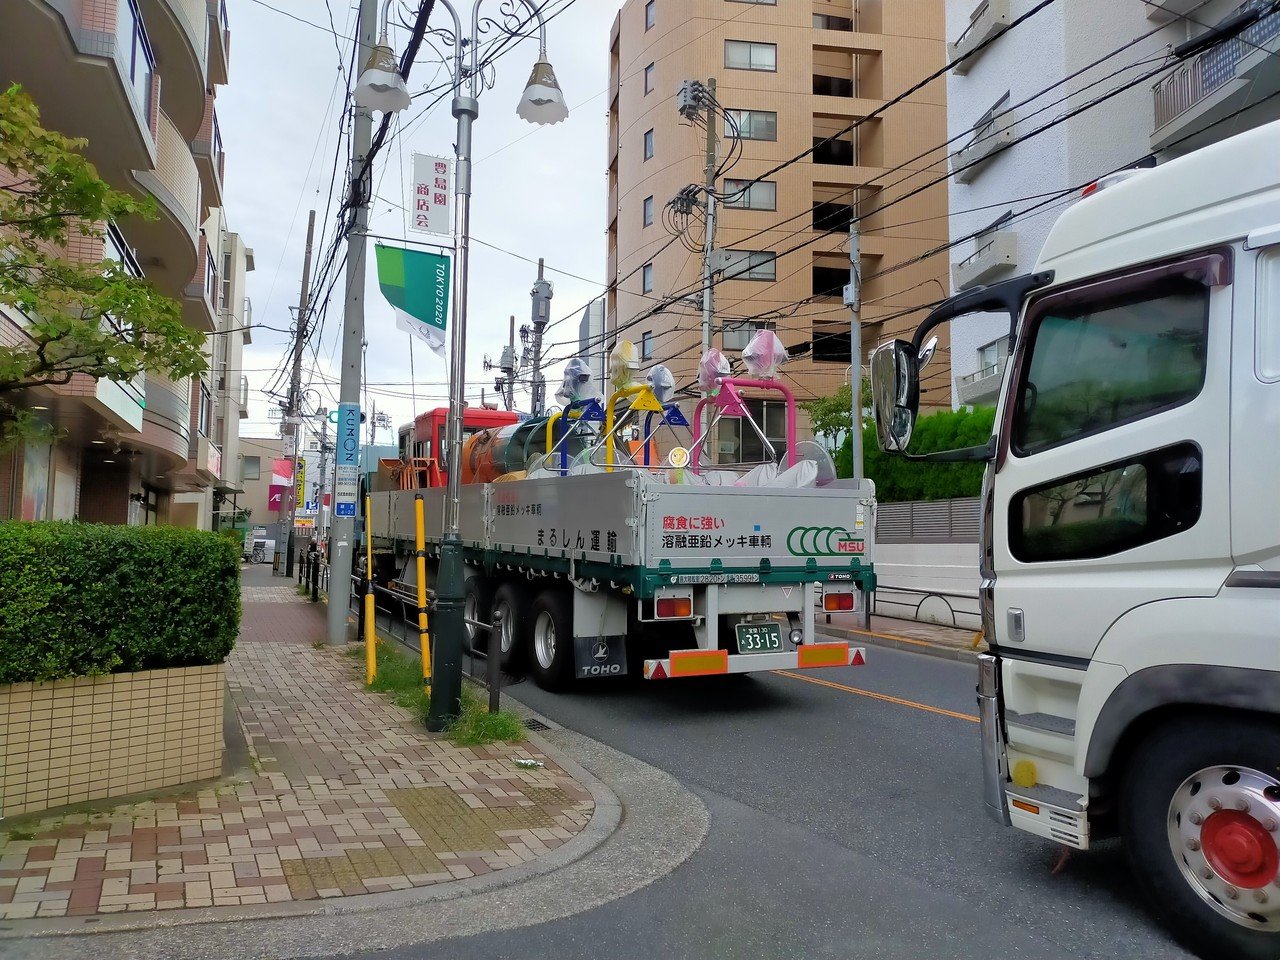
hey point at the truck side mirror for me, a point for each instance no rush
(895, 393)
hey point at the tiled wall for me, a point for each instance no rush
(96, 737)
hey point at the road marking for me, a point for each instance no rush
(878, 696)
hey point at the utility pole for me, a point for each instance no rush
(323, 476)
(373, 421)
(347, 454)
(509, 366)
(293, 422)
(541, 295)
(853, 300)
(708, 246)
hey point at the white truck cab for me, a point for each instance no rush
(1130, 552)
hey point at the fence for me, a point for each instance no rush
(932, 521)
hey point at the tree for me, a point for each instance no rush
(79, 318)
(830, 416)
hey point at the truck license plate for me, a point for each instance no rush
(759, 637)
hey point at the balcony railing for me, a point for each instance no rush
(989, 18)
(1211, 70)
(995, 252)
(987, 371)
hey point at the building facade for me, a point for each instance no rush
(794, 77)
(137, 79)
(1010, 182)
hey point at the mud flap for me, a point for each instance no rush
(600, 656)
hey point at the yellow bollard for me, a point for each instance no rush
(370, 632)
(420, 542)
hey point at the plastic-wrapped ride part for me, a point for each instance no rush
(624, 364)
(663, 384)
(711, 368)
(763, 355)
(577, 383)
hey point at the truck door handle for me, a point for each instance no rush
(1017, 632)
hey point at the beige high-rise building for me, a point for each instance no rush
(791, 75)
(138, 80)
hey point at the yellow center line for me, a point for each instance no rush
(878, 696)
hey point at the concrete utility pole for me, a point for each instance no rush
(853, 300)
(293, 422)
(322, 477)
(709, 245)
(347, 454)
(541, 295)
(509, 366)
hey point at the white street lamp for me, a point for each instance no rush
(380, 86)
(542, 103)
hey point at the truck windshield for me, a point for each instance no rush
(1099, 363)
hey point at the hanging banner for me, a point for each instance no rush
(300, 488)
(416, 283)
(275, 496)
(432, 192)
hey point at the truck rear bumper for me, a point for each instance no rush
(707, 663)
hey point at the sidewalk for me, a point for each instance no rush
(930, 638)
(345, 795)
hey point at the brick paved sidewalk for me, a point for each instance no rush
(347, 795)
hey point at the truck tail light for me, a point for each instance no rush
(837, 601)
(674, 608)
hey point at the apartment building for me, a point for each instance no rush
(138, 79)
(795, 77)
(1010, 182)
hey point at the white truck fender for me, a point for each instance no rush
(1213, 651)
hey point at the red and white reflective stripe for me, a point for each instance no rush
(704, 663)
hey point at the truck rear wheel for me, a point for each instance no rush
(478, 607)
(1200, 814)
(552, 641)
(511, 600)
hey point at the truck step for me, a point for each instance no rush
(1051, 813)
(1063, 726)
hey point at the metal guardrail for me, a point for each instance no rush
(952, 600)
(400, 609)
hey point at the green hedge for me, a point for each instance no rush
(85, 599)
(899, 480)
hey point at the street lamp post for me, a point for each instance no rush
(542, 103)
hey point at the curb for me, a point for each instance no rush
(908, 644)
(605, 819)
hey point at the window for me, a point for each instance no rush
(751, 265)
(824, 21)
(649, 72)
(829, 281)
(648, 211)
(740, 440)
(1111, 353)
(205, 414)
(738, 333)
(832, 86)
(751, 124)
(116, 249)
(838, 152)
(1110, 509)
(648, 144)
(829, 216)
(746, 195)
(746, 55)
(989, 356)
(134, 53)
(252, 469)
(646, 278)
(650, 14)
(226, 281)
(646, 345)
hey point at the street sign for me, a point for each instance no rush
(348, 459)
(346, 487)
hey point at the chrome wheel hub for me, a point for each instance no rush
(1224, 832)
(544, 640)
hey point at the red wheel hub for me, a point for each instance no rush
(1239, 849)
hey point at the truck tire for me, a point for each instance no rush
(551, 643)
(478, 606)
(512, 599)
(1200, 816)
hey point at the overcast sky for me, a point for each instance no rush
(538, 191)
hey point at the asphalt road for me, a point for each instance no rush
(842, 825)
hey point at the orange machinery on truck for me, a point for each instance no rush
(422, 443)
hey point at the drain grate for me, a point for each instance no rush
(532, 724)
